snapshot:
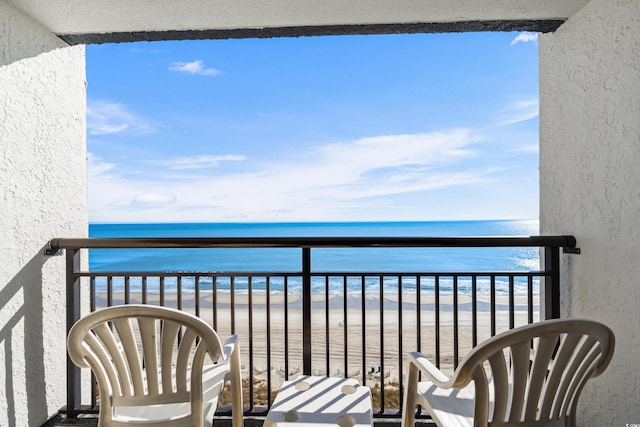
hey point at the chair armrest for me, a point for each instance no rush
(433, 374)
(460, 379)
(229, 346)
(417, 364)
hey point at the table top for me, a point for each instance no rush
(313, 401)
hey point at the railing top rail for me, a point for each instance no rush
(322, 274)
(310, 242)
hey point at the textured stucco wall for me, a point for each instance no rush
(42, 195)
(590, 185)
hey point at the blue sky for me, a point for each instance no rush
(350, 128)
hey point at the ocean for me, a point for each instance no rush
(334, 260)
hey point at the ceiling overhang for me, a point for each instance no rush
(299, 31)
(102, 21)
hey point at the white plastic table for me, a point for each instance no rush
(320, 401)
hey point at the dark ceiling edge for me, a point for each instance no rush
(541, 26)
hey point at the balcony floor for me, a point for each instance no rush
(92, 421)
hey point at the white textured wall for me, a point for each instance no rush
(590, 185)
(42, 195)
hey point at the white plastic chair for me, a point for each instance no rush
(528, 376)
(149, 366)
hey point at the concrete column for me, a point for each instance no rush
(42, 195)
(590, 186)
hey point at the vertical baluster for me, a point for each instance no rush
(418, 333)
(551, 283)
(109, 291)
(530, 299)
(196, 296)
(306, 311)
(232, 290)
(400, 340)
(162, 290)
(437, 316)
(326, 326)
(512, 302)
(381, 367)
(268, 309)
(127, 290)
(214, 301)
(92, 308)
(455, 321)
(92, 294)
(474, 310)
(363, 311)
(73, 282)
(345, 338)
(286, 328)
(493, 305)
(179, 292)
(250, 308)
(144, 290)
(418, 313)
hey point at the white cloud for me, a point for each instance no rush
(105, 117)
(194, 67)
(150, 199)
(525, 38)
(531, 148)
(327, 183)
(198, 162)
(396, 150)
(96, 167)
(519, 111)
(345, 171)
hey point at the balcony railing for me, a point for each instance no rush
(313, 322)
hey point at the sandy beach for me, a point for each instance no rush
(376, 340)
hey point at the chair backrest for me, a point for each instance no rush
(536, 372)
(144, 355)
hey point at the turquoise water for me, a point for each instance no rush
(333, 260)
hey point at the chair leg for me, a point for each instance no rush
(237, 406)
(410, 391)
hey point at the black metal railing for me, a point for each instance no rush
(313, 324)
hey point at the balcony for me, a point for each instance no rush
(356, 324)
